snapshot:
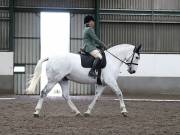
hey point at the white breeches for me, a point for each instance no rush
(96, 53)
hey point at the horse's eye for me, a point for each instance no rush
(137, 58)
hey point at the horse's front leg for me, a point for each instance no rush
(43, 94)
(100, 90)
(114, 86)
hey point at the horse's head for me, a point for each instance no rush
(133, 59)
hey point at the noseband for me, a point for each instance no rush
(131, 63)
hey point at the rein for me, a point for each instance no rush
(131, 63)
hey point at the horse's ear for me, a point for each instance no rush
(137, 49)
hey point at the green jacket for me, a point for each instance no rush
(91, 41)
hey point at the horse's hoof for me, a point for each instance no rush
(78, 114)
(86, 114)
(36, 115)
(125, 114)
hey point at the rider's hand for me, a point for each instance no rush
(104, 47)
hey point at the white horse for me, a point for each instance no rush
(61, 68)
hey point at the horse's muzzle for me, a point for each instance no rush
(131, 71)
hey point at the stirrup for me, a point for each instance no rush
(92, 75)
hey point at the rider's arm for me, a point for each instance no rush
(95, 38)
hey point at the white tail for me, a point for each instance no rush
(36, 76)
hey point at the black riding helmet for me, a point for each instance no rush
(88, 18)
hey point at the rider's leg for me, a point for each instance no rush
(97, 55)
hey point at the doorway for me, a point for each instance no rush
(55, 39)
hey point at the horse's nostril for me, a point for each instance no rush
(132, 72)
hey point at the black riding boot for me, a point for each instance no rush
(92, 71)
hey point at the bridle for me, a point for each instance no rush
(127, 63)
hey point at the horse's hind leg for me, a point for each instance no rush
(43, 94)
(65, 93)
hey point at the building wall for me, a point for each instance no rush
(155, 25)
(140, 4)
(27, 48)
(6, 73)
(157, 74)
(4, 25)
(148, 86)
(55, 3)
(152, 23)
(6, 57)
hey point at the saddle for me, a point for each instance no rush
(87, 62)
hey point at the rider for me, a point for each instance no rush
(92, 44)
